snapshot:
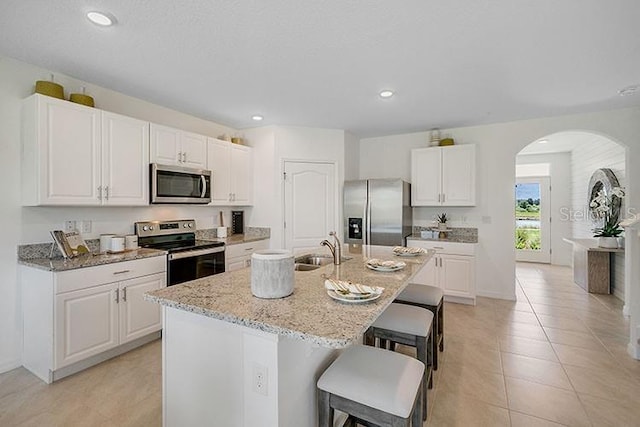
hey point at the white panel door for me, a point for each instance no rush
(458, 175)
(219, 163)
(425, 177)
(194, 150)
(457, 275)
(165, 145)
(310, 206)
(125, 160)
(137, 316)
(70, 150)
(241, 175)
(86, 323)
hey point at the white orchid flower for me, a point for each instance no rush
(618, 192)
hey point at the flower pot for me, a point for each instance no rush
(608, 242)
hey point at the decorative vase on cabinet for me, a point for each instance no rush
(608, 242)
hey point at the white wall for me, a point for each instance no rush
(559, 175)
(32, 224)
(497, 147)
(279, 143)
(351, 157)
(596, 152)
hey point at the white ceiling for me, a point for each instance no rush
(322, 63)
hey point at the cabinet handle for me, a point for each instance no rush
(184, 157)
(438, 247)
(106, 193)
(179, 156)
(230, 199)
(117, 296)
(444, 196)
(124, 294)
(121, 271)
(234, 197)
(248, 263)
(100, 193)
(248, 249)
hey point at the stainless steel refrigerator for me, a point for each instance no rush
(377, 212)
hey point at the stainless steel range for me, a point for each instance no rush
(188, 258)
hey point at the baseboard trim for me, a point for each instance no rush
(497, 295)
(633, 350)
(10, 365)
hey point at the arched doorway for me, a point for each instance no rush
(570, 159)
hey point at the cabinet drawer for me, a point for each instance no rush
(453, 248)
(82, 278)
(244, 249)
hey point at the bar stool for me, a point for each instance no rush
(408, 325)
(372, 385)
(431, 298)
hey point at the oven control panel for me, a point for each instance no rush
(159, 228)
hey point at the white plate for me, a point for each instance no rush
(385, 269)
(336, 296)
(407, 254)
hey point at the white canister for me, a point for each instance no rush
(221, 232)
(117, 244)
(272, 273)
(130, 242)
(105, 242)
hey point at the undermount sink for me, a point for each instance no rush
(305, 267)
(316, 260)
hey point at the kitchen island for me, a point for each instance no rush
(231, 359)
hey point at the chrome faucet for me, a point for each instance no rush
(335, 248)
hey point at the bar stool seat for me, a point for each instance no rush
(373, 385)
(431, 298)
(408, 325)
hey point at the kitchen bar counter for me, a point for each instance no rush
(88, 260)
(309, 313)
(231, 359)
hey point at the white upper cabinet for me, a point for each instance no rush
(125, 160)
(443, 176)
(77, 155)
(171, 146)
(232, 173)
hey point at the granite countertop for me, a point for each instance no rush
(308, 314)
(453, 239)
(236, 239)
(89, 260)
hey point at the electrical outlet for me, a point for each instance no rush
(85, 226)
(260, 379)
(69, 226)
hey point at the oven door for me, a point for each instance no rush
(194, 264)
(175, 184)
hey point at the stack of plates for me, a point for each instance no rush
(351, 292)
(380, 265)
(404, 251)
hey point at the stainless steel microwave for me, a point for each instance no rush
(179, 185)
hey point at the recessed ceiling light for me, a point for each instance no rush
(386, 94)
(257, 117)
(101, 18)
(629, 90)
(543, 141)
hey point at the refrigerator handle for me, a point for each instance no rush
(367, 221)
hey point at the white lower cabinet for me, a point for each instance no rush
(77, 318)
(452, 268)
(239, 256)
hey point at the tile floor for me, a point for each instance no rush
(556, 356)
